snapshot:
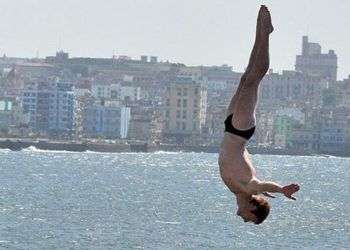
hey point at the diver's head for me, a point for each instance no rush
(254, 210)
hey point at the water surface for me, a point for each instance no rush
(61, 200)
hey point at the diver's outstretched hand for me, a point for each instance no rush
(289, 190)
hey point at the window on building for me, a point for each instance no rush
(296, 90)
(178, 114)
(177, 125)
(184, 103)
(179, 102)
(178, 91)
(184, 92)
(184, 114)
(194, 126)
(196, 91)
(168, 102)
(195, 114)
(183, 126)
(167, 114)
(195, 103)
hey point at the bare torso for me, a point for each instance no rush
(234, 162)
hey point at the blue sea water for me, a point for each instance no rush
(63, 200)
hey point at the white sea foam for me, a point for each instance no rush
(37, 150)
(166, 152)
(168, 222)
(5, 150)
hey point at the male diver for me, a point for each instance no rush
(236, 168)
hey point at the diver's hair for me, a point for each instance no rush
(261, 211)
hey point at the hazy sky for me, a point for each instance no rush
(195, 32)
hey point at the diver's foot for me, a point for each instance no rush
(264, 21)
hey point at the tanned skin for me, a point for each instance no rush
(236, 168)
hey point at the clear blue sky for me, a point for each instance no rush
(195, 32)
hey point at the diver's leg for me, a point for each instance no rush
(247, 97)
(252, 59)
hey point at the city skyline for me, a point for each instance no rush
(178, 31)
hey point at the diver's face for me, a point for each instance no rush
(246, 215)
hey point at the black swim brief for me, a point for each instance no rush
(246, 134)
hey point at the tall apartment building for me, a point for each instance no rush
(313, 62)
(185, 104)
(50, 106)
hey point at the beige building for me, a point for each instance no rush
(184, 114)
(313, 62)
(145, 124)
(291, 88)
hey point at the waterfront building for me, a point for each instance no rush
(338, 94)
(145, 124)
(334, 127)
(264, 131)
(216, 115)
(105, 120)
(326, 131)
(185, 104)
(313, 62)
(284, 124)
(13, 121)
(303, 140)
(50, 105)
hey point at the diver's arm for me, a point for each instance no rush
(269, 186)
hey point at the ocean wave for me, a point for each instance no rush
(166, 152)
(37, 150)
(5, 150)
